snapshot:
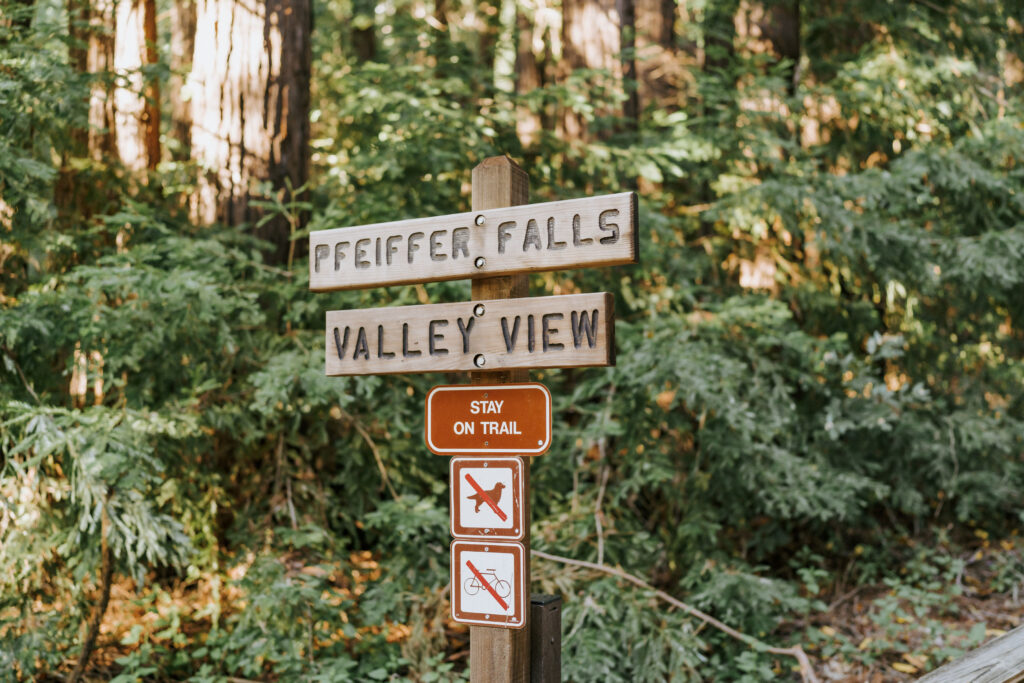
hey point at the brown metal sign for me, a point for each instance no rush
(509, 419)
(487, 498)
(488, 583)
(575, 330)
(574, 233)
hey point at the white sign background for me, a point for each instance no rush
(478, 598)
(487, 478)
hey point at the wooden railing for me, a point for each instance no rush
(997, 661)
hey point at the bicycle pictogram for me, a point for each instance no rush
(501, 587)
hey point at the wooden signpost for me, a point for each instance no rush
(485, 242)
(497, 336)
(576, 330)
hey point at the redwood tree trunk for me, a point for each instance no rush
(137, 103)
(657, 64)
(529, 75)
(250, 109)
(591, 39)
(183, 44)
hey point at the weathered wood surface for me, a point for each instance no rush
(546, 639)
(485, 242)
(575, 330)
(501, 655)
(997, 661)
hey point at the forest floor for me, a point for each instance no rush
(937, 607)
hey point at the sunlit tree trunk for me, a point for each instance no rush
(137, 101)
(183, 43)
(591, 39)
(250, 108)
(91, 26)
(658, 72)
(533, 52)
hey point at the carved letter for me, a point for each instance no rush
(510, 340)
(412, 243)
(361, 261)
(576, 241)
(553, 244)
(361, 346)
(460, 242)
(581, 326)
(321, 251)
(465, 330)
(392, 247)
(532, 235)
(434, 350)
(547, 331)
(602, 222)
(435, 246)
(381, 353)
(339, 254)
(504, 235)
(406, 353)
(339, 344)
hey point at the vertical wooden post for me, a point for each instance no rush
(546, 639)
(502, 655)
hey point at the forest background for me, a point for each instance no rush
(814, 431)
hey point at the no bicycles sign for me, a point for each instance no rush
(488, 586)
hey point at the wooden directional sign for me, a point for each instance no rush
(574, 233)
(488, 583)
(575, 330)
(511, 419)
(486, 498)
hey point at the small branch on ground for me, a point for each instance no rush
(797, 652)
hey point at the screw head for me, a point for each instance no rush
(479, 262)
(479, 220)
(478, 310)
(479, 360)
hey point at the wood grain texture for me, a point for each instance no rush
(997, 661)
(574, 233)
(546, 639)
(499, 655)
(575, 330)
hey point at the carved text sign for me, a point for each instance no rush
(575, 330)
(574, 233)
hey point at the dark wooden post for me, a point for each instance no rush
(545, 639)
(502, 655)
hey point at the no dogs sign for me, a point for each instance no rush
(486, 498)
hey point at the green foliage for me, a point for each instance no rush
(276, 524)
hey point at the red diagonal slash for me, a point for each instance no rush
(486, 498)
(483, 582)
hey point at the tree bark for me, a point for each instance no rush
(364, 37)
(183, 45)
(250, 109)
(529, 75)
(658, 72)
(591, 39)
(136, 108)
(92, 52)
